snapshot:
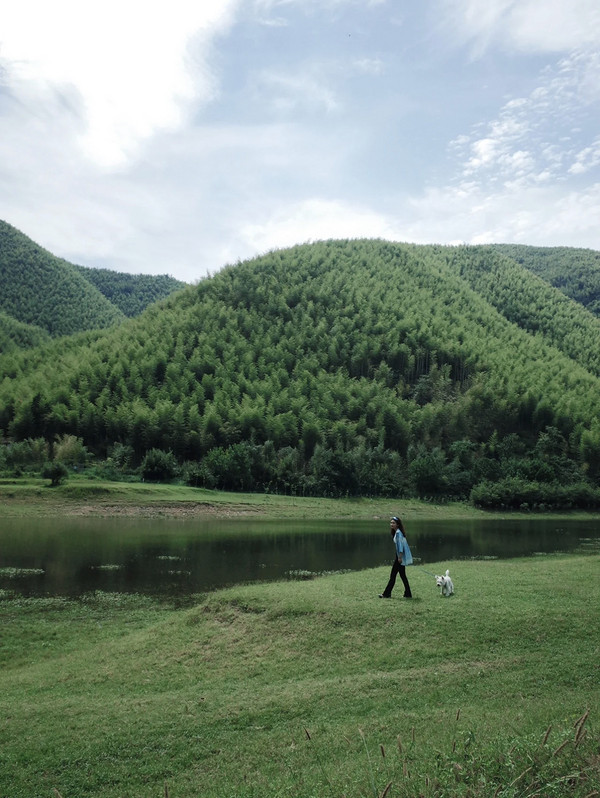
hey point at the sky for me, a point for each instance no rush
(175, 138)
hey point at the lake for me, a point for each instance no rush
(178, 558)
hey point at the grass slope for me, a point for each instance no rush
(26, 496)
(310, 689)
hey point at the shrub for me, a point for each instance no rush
(516, 493)
(426, 470)
(56, 472)
(159, 466)
(122, 455)
(70, 450)
(29, 454)
(198, 475)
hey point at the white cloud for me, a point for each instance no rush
(316, 219)
(537, 216)
(291, 93)
(554, 25)
(125, 65)
(484, 152)
(588, 158)
(535, 26)
(266, 6)
(536, 138)
(370, 66)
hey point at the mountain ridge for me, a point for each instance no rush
(341, 363)
(47, 292)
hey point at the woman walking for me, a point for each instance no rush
(403, 558)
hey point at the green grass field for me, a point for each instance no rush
(30, 496)
(310, 689)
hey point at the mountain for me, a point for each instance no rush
(575, 272)
(349, 366)
(131, 293)
(41, 289)
(532, 303)
(61, 298)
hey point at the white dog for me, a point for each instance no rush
(445, 584)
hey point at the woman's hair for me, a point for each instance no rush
(399, 522)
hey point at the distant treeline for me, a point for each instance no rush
(492, 475)
(335, 368)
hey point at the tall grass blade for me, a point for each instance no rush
(319, 762)
(580, 721)
(548, 730)
(374, 788)
(560, 748)
(387, 789)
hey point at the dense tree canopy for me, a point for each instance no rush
(40, 289)
(335, 367)
(131, 293)
(575, 272)
(51, 294)
(16, 335)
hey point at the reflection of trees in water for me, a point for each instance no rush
(69, 558)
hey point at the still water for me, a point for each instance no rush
(178, 558)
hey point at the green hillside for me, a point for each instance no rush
(131, 293)
(332, 368)
(41, 289)
(575, 272)
(532, 304)
(15, 335)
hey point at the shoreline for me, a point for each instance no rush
(23, 497)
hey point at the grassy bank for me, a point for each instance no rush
(81, 496)
(29, 496)
(311, 689)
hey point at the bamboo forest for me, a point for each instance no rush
(335, 368)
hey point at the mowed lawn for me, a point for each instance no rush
(311, 688)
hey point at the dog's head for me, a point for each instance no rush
(442, 581)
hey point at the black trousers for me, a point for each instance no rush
(397, 568)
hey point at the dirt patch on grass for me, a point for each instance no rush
(157, 510)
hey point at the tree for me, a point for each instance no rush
(426, 470)
(159, 466)
(56, 472)
(70, 450)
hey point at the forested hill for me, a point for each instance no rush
(39, 289)
(15, 335)
(575, 272)
(131, 293)
(341, 366)
(530, 302)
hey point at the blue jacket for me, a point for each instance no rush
(402, 549)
